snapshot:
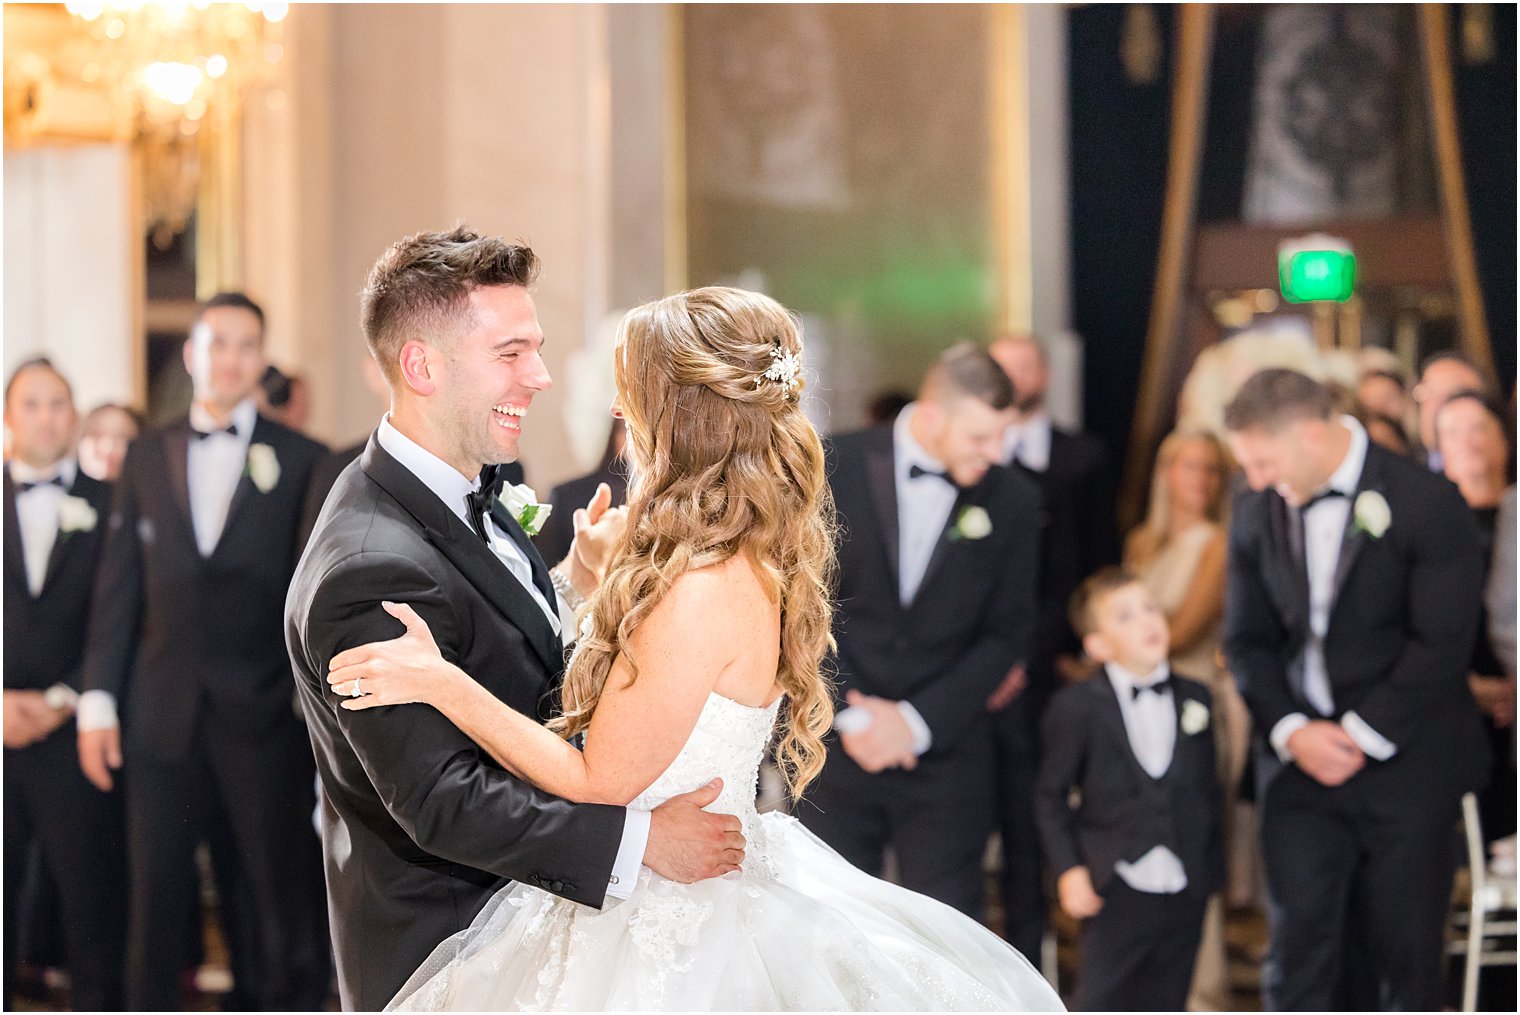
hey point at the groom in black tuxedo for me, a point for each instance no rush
(188, 685)
(54, 524)
(1354, 581)
(421, 826)
(938, 549)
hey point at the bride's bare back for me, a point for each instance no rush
(715, 631)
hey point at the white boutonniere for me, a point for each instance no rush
(75, 514)
(1372, 514)
(972, 523)
(523, 503)
(263, 467)
(1195, 717)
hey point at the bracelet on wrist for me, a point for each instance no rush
(566, 589)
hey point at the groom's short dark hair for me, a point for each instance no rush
(966, 370)
(1271, 399)
(420, 288)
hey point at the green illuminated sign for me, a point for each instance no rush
(1308, 275)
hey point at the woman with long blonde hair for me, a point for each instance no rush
(707, 632)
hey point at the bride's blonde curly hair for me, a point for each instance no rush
(723, 466)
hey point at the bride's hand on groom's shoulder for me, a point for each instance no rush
(688, 844)
(400, 671)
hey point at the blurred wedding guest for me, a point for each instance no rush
(1500, 596)
(1442, 375)
(558, 532)
(1383, 393)
(1179, 552)
(103, 440)
(1350, 610)
(1475, 454)
(885, 407)
(1386, 432)
(938, 546)
(284, 398)
(187, 680)
(55, 519)
(1129, 803)
(1078, 535)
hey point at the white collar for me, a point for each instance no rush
(445, 481)
(66, 467)
(1123, 679)
(908, 451)
(244, 415)
(1349, 472)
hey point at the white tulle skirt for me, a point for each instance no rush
(798, 929)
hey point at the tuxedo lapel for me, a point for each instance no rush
(245, 490)
(881, 478)
(1354, 538)
(15, 559)
(509, 525)
(964, 499)
(63, 542)
(1291, 571)
(466, 551)
(1113, 722)
(177, 452)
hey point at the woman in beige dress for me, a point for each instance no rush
(1179, 551)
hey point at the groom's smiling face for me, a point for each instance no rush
(494, 370)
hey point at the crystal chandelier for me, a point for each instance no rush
(161, 76)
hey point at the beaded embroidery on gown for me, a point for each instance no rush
(798, 928)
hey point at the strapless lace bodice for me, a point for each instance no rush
(728, 743)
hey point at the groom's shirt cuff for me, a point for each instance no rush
(1285, 728)
(630, 855)
(96, 710)
(1372, 743)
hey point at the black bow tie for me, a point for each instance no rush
(1323, 495)
(492, 479)
(1160, 687)
(201, 435)
(915, 471)
(55, 481)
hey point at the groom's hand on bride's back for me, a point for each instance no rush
(688, 844)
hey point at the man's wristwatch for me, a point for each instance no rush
(567, 591)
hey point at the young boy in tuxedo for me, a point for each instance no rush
(1136, 848)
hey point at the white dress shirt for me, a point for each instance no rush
(37, 511)
(215, 465)
(1324, 525)
(1150, 723)
(1028, 443)
(451, 487)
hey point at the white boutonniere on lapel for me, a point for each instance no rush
(972, 523)
(263, 467)
(1372, 514)
(1195, 717)
(75, 514)
(523, 504)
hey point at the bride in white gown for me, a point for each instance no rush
(720, 593)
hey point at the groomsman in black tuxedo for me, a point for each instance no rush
(188, 682)
(1077, 537)
(54, 523)
(938, 550)
(1354, 583)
